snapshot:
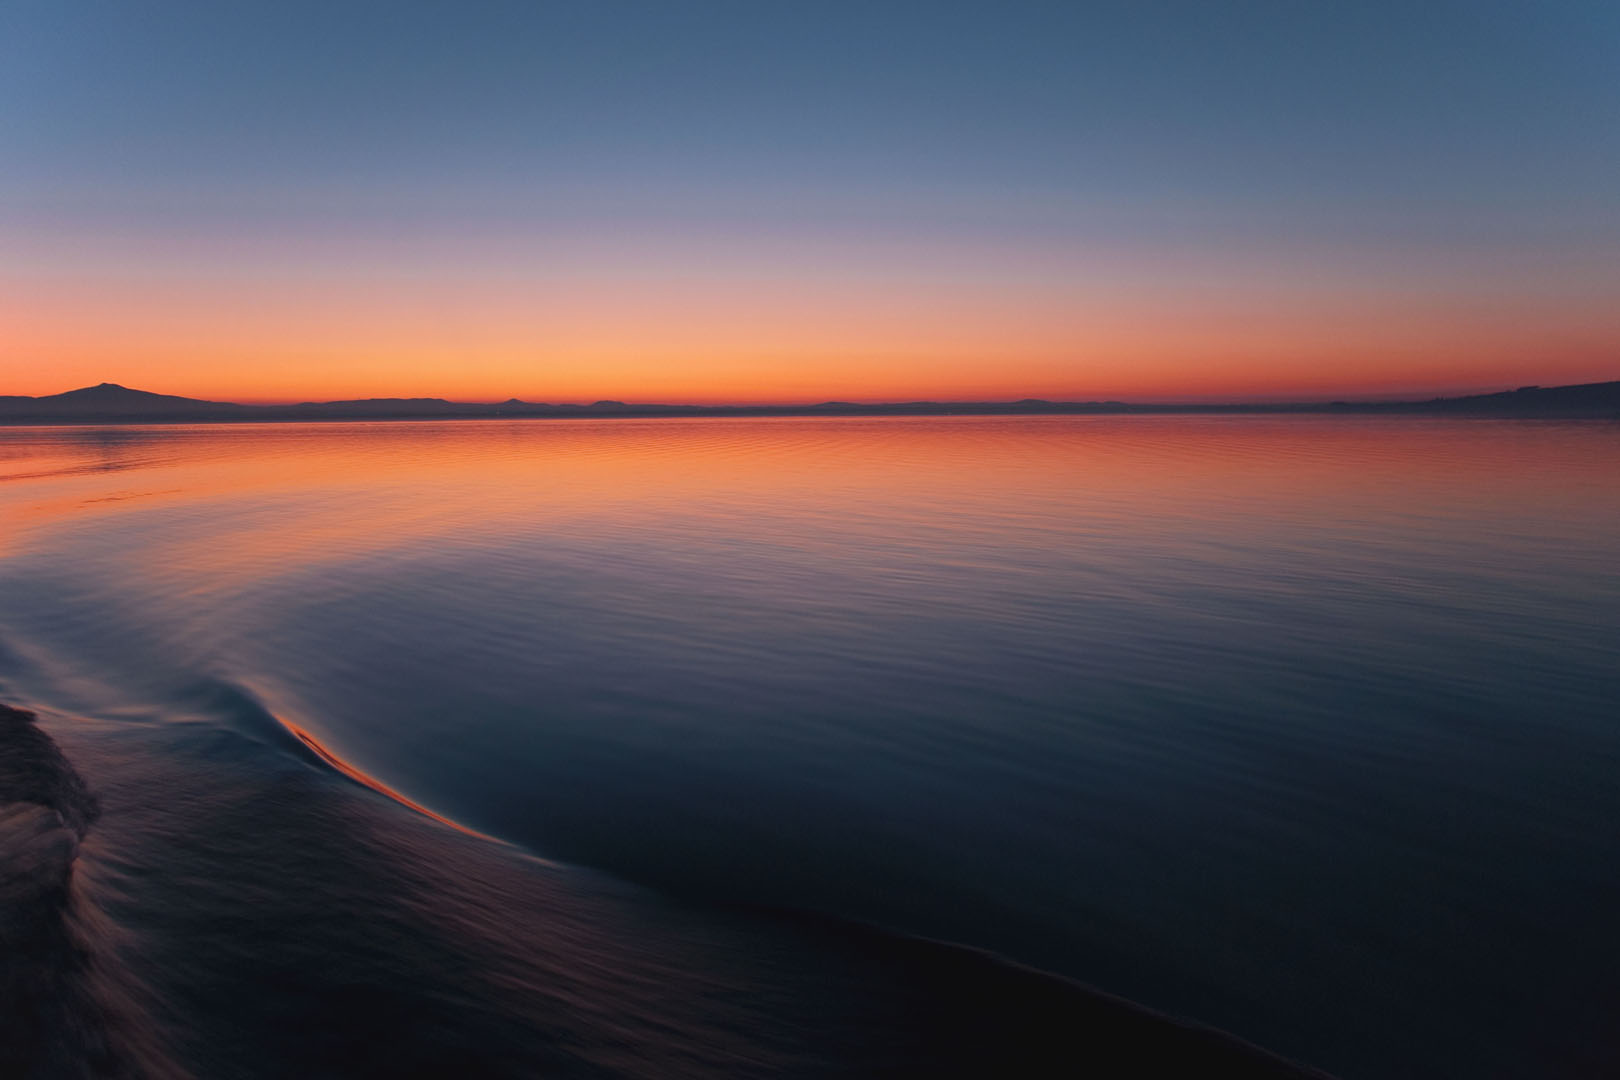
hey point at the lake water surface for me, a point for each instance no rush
(1305, 728)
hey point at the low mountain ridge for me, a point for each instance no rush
(112, 403)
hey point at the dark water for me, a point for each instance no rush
(1304, 728)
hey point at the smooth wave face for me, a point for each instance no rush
(1301, 727)
(235, 916)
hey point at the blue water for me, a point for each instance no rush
(1301, 727)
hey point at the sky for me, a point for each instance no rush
(784, 202)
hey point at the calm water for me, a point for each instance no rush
(1305, 728)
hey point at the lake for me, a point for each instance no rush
(1305, 728)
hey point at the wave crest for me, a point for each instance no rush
(66, 1011)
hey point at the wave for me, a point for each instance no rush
(277, 918)
(65, 1009)
(250, 714)
(1023, 992)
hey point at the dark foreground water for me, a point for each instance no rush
(653, 747)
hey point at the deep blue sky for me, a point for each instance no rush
(1460, 131)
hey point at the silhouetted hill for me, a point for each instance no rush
(1584, 399)
(111, 403)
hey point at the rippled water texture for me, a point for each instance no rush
(1306, 728)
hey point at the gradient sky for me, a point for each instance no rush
(761, 201)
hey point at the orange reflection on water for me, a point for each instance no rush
(242, 502)
(374, 784)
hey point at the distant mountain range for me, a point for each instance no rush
(110, 403)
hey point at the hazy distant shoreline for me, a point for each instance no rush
(110, 403)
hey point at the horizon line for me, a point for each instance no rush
(1271, 399)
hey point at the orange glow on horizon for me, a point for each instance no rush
(698, 361)
(978, 326)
